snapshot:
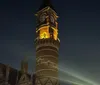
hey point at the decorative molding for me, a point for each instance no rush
(47, 56)
(44, 70)
(47, 44)
(47, 63)
(47, 49)
(24, 80)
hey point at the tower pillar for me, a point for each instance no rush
(47, 45)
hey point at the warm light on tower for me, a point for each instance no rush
(44, 32)
(47, 46)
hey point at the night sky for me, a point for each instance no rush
(79, 32)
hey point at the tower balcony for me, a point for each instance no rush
(47, 42)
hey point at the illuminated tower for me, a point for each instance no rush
(47, 45)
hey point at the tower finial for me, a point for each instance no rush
(46, 3)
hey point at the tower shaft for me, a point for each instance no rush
(47, 46)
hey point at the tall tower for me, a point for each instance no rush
(24, 65)
(47, 45)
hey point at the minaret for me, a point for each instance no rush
(47, 45)
(23, 78)
(24, 65)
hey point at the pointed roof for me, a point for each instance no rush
(46, 3)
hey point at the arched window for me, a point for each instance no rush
(44, 35)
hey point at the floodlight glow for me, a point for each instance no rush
(74, 78)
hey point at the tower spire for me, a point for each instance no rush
(24, 65)
(46, 3)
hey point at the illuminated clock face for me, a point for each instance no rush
(42, 18)
(52, 19)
